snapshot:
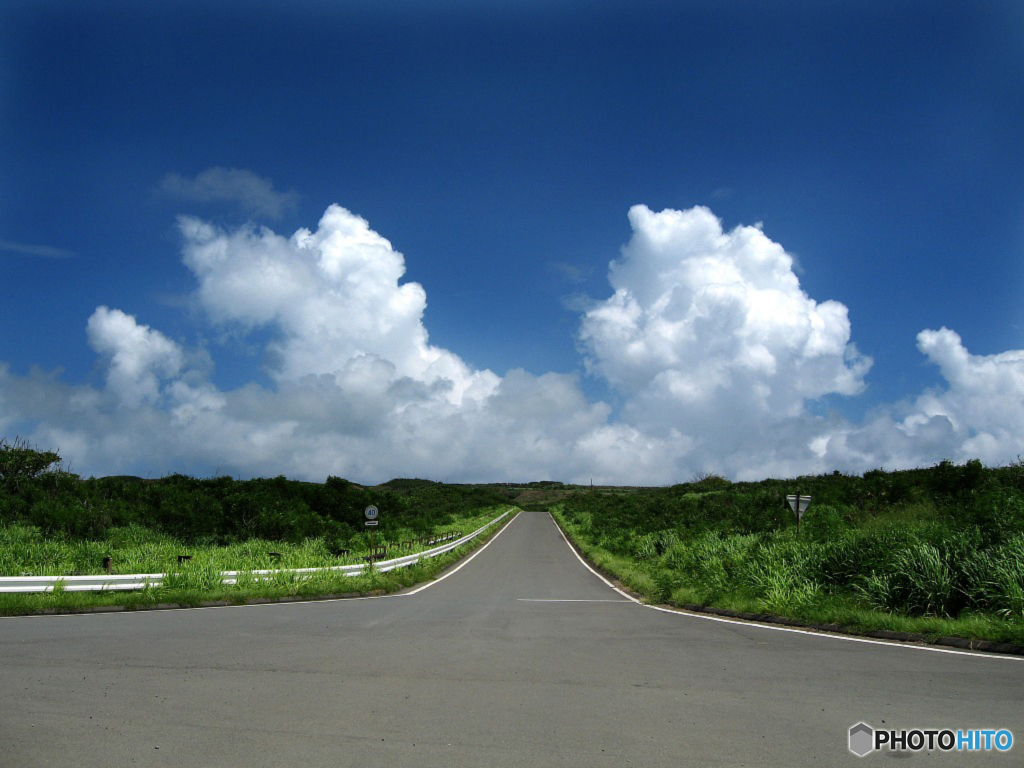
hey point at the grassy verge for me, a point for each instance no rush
(136, 549)
(776, 595)
(198, 583)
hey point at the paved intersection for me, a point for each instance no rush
(521, 658)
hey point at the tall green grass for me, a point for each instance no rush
(901, 566)
(199, 580)
(135, 549)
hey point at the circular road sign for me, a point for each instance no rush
(371, 513)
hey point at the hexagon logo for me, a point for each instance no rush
(862, 737)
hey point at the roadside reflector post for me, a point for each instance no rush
(799, 505)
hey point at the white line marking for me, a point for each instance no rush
(567, 600)
(809, 633)
(463, 564)
(587, 565)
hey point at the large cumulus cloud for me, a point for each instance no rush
(334, 299)
(709, 333)
(715, 352)
(357, 389)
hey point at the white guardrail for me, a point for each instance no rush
(107, 582)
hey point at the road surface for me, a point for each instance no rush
(521, 658)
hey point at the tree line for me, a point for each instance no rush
(36, 490)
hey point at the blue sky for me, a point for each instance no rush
(499, 147)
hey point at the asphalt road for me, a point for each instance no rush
(521, 658)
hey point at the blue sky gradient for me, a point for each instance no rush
(499, 148)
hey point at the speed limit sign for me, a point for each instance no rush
(371, 513)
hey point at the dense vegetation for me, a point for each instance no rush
(200, 580)
(26, 549)
(35, 491)
(944, 542)
(53, 522)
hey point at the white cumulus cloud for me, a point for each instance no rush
(138, 357)
(333, 296)
(708, 334)
(978, 413)
(718, 358)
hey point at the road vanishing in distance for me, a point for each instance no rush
(521, 658)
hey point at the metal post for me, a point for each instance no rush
(796, 502)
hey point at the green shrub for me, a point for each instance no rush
(996, 578)
(823, 523)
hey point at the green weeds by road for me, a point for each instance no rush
(55, 523)
(136, 549)
(757, 588)
(943, 558)
(198, 581)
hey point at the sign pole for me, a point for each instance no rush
(371, 522)
(799, 505)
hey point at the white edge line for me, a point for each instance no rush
(587, 565)
(809, 633)
(565, 600)
(461, 565)
(272, 604)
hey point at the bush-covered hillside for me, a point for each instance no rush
(36, 491)
(947, 541)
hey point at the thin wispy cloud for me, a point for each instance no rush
(34, 249)
(254, 194)
(569, 272)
